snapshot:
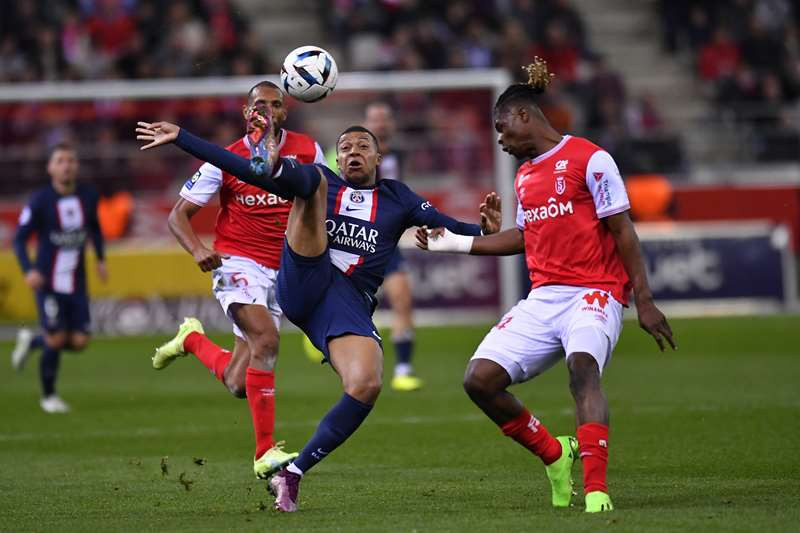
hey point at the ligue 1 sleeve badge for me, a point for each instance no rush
(561, 184)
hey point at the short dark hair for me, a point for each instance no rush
(62, 146)
(266, 83)
(360, 129)
(527, 93)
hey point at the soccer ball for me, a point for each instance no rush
(309, 73)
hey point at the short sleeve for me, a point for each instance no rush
(520, 217)
(606, 186)
(319, 155)
(200, 188)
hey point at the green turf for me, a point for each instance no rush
(704, 439)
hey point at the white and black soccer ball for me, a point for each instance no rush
(309, 73)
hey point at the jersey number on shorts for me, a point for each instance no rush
(239, 279)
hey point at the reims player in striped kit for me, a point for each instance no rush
(584, 258)
(249, 236)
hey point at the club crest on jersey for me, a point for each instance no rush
(561, 185)
(356, 197)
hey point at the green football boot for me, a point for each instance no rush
(172, 349)
(560, 472)
(273, 460)
(406, 383)
(598, 502)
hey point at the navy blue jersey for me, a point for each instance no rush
(364, 225)
(62, 224)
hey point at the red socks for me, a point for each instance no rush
(529, 432)
(593, 442)
(212, 356)
(260, 386)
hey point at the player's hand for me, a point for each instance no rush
(423, 233)
(34, 279)
(102, 271)
(655, 323)
(491, 214)
(207, 259)
(157, 133)
(261, 133)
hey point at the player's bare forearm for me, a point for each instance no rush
(630, 251)
(508, 242)
(651, 319)
(181, 227)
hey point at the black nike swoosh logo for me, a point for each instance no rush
(348, 208)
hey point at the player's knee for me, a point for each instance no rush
(584, 374)
(56, 341)
(366, 390)
(263, 349)
(476, 386)
(78, 343)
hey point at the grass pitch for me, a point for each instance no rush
(705, 438)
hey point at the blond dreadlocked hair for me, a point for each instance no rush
(538, 80)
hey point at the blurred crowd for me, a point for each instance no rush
(747, 55)
(587, 97)
(124, 39)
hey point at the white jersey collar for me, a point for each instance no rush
(552, 150)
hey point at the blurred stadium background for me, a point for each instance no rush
(698, 101)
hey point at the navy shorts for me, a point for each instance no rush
(63, 312)
(319, 299)
(397, 263)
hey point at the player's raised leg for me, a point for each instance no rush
(591, 409)
(257, 377)
(359, 362)
(26, 343)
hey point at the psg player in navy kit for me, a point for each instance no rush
(63, 215)
(342, 232)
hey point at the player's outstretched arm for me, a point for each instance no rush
(298, 180)
(508, 242)
(651, 319)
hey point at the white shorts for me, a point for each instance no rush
(243, 281)
(553, 322)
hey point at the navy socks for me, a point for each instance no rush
(48, 370)
(336, 427)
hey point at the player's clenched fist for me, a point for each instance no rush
(208, 260)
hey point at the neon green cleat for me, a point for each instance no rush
(273, 460)
(560, 472)
(598, 502)
(172, 349)
(314, 355)
(406, 383)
